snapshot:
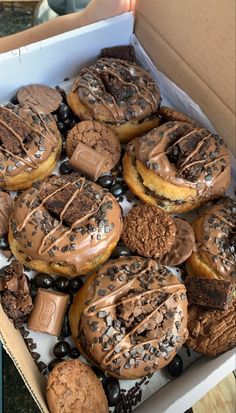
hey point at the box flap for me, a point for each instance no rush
(194, 45)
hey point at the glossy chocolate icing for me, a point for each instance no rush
(117, 90)
(27, 138)
(185, 156)
(215, 233)
(43, 236)
(134, 318)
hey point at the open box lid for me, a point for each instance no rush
(193, 44)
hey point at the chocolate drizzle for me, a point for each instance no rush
(73, 218)
(131, 312)
(215, 232)
(185, 156)
(27, 138)
(117, 90)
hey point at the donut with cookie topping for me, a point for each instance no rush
(177, 166)
(65, 225)
(130, 317)
(30, 146)
(119, 93)
(214, 256)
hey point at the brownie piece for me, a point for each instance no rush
(120, 52)
(78, 208)
(209, 292)
(15, 297)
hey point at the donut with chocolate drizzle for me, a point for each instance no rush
(215, 232)
(119, 93)
(177, 166)
(130, 318)
(30, 145)
(65, 225)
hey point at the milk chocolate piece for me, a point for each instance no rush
(49, 311)
(209, 293)
(88, 161)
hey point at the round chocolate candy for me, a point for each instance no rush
(63, 111)
(61, 349)
(106, 181)
(65, 168)
(117, 190)
(99, 373)
(4, 243)
(74, 353)
(43, 281)
(112, 390)
(61, 284)
(75, 284)
(176, 366)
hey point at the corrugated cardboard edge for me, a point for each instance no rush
(170, 59)
(15, 347)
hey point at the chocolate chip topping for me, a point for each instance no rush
(149, 231)
(215, 231)
(134, 317)
(117, 91)
(75, 220)
(15, 297)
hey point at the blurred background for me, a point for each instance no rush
(16, 16)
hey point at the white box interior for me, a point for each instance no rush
(51, 62)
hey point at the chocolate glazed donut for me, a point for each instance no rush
(130, 318)
(67, 225)
(119, 93)
(30, 145)
(215, 252)
(177, 166)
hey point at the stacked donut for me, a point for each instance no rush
(131, 317)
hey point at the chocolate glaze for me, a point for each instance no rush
(70, 243)
(27, 138)
(6, 205)
(215, 232)
(135, 317)
(185, 156)
(45, 98)
(117, 90)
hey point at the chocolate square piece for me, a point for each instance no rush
(209, 292)
(49, 311)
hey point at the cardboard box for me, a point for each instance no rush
(159, 27)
